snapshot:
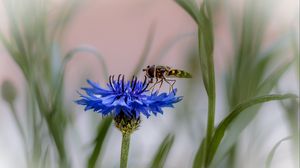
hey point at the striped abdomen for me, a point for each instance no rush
(178, 74)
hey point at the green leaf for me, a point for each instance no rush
(7, 44)
(296, 53)
(291, 111)
(222, 127)
(254, 84)
(15, 32)
(64, 17)
(19, 59)
(199, 158)
(203, 61)
(206, 47)
(272, 152)
(191, 8)
(268, 57)
(102, 133)
(278, 47)
(251, 66)
(162, 152)
(45, 159)
(203, 18)
(86, 49)
(71, 54)
(273, 78)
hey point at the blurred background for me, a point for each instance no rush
(256, 52)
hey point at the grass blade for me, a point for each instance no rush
(191, 8)
(206, 48)
(203, 18)
(14, 27)
(199, 158)
(64, 16)
(71, 54)
(220, 130)
(171, 43)
(146, 49)
(86, 49)
(251, 65)
(162, 152)
(273, 78)
(272, 152)
(102, 133)
(296, 53)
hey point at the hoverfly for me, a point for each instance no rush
(163, 74)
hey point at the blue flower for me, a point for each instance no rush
(128, 99)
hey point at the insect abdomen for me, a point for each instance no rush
(179, 73)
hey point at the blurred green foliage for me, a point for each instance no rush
(34, 43)
(272, 152)
(247, 79)
(162, 152)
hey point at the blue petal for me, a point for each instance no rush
(117, 110)
(108, 99)
(122, 99)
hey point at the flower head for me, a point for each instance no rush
(129, 98)
(125, 101)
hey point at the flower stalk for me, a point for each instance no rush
(124, 150)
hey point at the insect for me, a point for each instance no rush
(164, 74)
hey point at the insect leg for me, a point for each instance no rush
(171, 85)
(157, 82)
(153, 86)
(151, 81)
(161, 82)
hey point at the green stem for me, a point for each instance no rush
(124, 150)
(211, 99)
(206, 46)
(18, 122)
(21, 130)
(211, 105)
(211, 89)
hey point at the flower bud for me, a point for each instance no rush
(8, 91)
(127, 125)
